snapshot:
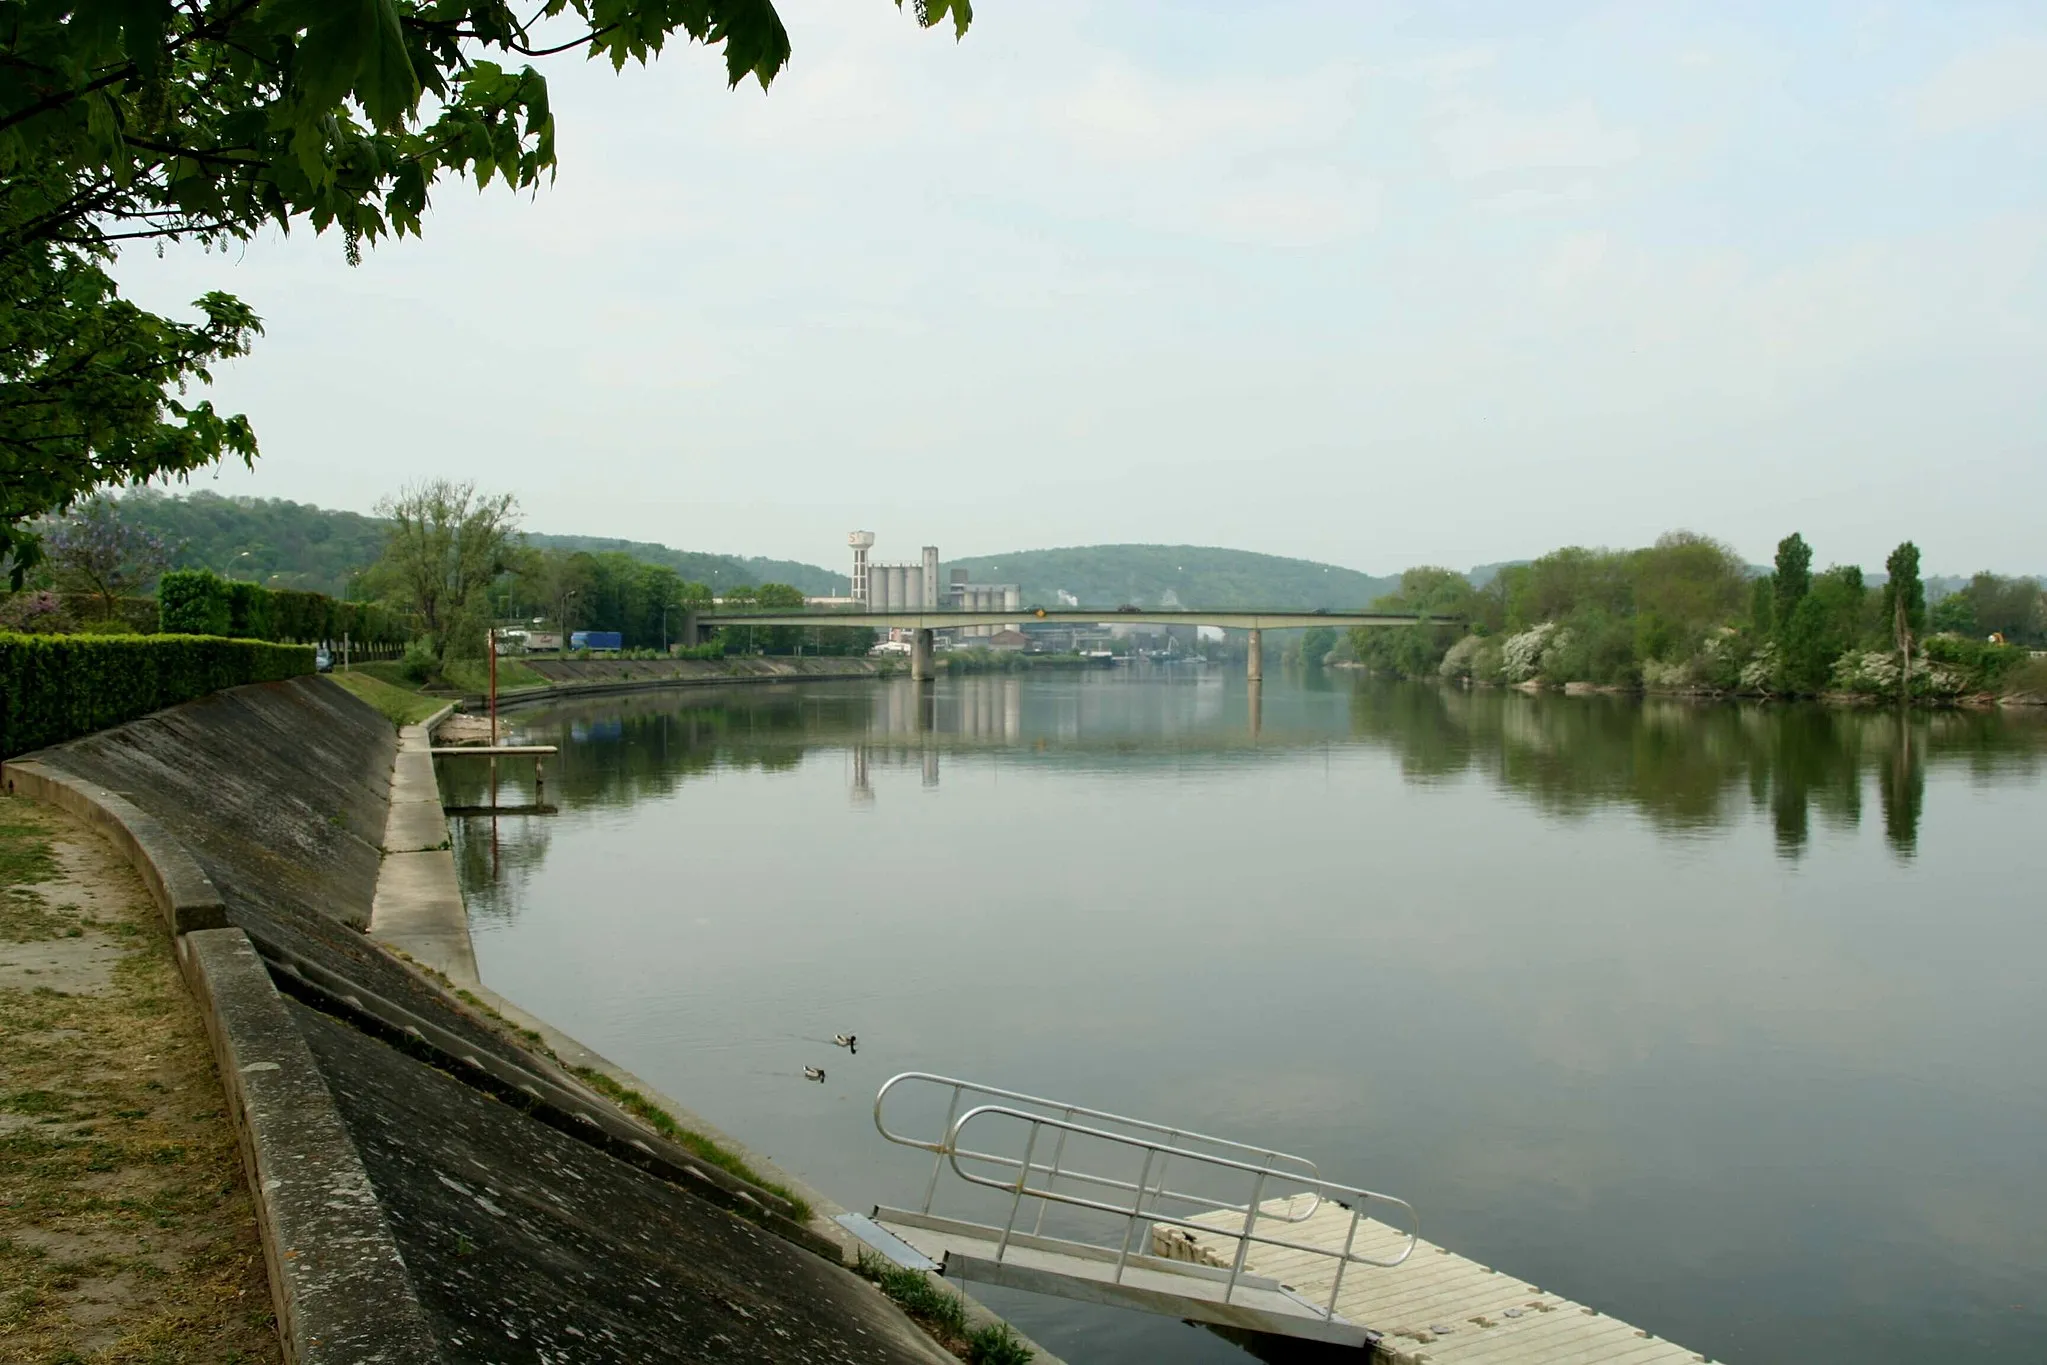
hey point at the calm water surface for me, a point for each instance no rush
(1731, 1021)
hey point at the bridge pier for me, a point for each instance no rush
(1254, 660)
(920, 656)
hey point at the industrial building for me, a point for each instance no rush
(893, 587)
(916, 587)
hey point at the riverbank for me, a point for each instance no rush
(1585, 689)
(432, 1186)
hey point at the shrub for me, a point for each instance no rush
(419, 662)
(249, 612)
(1985, 665)
(997, 1344)
(54, 688)
(192, 602)
(36, 613)
(1521, 655)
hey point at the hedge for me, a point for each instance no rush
(58, 687)
(201, 602)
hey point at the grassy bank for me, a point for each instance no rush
(126, 1229)
(399, 705)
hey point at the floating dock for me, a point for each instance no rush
(1144, 1219)
(1434, 1308)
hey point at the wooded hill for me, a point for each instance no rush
(286, 544)
(1194, 575)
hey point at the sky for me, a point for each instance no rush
(1370, 283)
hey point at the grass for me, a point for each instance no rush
(943, 1314)
(473, 675)
(662, 1122)
(397, 705)
(126, 1229)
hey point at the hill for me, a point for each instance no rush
(284, 544)
(297, 545)
(1194, 575)
(720, 571)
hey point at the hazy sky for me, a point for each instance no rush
(1380, 284)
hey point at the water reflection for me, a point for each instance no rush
(1688, 767)
(1691, 766)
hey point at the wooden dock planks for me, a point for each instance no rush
(1437, 1308)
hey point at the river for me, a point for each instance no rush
(1729, 1020)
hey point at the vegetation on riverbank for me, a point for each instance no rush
(396, 704)
(1008, 661)
(663, 1122)
(1685, 615)
(943, 1314)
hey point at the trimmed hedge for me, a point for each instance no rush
(58, 687)
(201, 602)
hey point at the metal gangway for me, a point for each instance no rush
(1085, 1204)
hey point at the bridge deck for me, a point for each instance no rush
(1086, 616)
(1437, 1308)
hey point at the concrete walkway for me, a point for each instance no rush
(418, 905)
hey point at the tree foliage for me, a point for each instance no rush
(1794, 575)
(448, 544)
(95, 551)
(210, 120)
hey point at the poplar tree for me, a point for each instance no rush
(1794, 576)
(1904, 607)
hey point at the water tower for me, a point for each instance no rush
(862, 542)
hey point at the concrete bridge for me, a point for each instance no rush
(1257, 622)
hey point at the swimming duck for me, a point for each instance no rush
(811, 1073)
(847, 1040)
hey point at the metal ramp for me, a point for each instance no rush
(1135, 1208)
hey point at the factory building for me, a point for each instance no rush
(893, 587)
(916, 587)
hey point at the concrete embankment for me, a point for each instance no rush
(429, 1187)
(582, 677)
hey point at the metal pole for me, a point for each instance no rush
(1052, 1176)
(1136, 1209)
(490, 644)
(1348, 1242)
(1016, 1205)
(944, 1141)
(1244, 1242)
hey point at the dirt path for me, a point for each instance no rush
(126, 1232)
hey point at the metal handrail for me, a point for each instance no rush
(1283, 1164)
(1135, 1212)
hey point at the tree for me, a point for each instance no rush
(1904, 607)
(213, 119)
(1684, 586)
(1415, 651)
(448, 544)
(1827, 622)
(97, 553)
(1794, 576)
(1993, 604)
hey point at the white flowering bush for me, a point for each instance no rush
(1867, 671)
(1521, 655)
(1758, 671)
(1874, 673)
(1659, 675)
(1473, 657)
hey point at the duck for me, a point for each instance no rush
(811, 1073)
(847, 1040)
